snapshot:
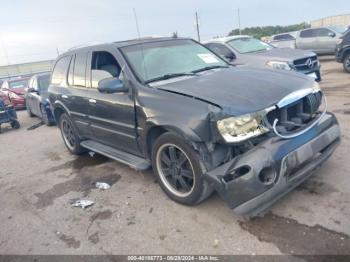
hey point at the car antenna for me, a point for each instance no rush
(141, 44)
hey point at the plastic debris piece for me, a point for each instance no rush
(216, 243)
(82, 203)
(91, 153)
(102, 185)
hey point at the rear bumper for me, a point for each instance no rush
(287, 163)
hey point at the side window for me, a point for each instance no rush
(71, 71)
(323, 32)
(221, 50)
(59, 72)
(307, 33)
(103, 65)
(80, 69)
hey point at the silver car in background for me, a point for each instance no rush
(246, 50)
(321, 40)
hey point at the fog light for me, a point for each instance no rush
(267, 175)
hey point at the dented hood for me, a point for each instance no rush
(239, 90)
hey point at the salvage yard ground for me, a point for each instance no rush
(39, 179)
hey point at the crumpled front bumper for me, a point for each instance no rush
(285, 163)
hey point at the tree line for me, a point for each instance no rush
(260, 31)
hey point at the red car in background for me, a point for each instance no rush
(14, 89)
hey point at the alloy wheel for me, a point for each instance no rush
(68, 134)
(175, 170)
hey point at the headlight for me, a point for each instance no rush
(237, 129)
(13, 95)
(279, 65)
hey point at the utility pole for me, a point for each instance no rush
(239, 21)
(197, 27)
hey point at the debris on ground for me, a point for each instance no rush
(35, 125)
(83, 203)
(102, 185)
(91, 153)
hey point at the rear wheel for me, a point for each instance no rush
(346, 63)
(69, 135)
(15, 124)
(29, 111)
(178, 170)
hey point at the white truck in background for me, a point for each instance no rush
(321, 40)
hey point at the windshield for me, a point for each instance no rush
(18, 84)
(338, 29)
(154, 60)
(248, 45)
(44, 82)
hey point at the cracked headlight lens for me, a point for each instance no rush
(279, 65)
(237, 129)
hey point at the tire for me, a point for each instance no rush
(29, 111)
(346, 63)
(69, 135)
(15, 124)
(44, 115)
(174, 177)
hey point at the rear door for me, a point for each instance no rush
(79, 93)
(307, 40)
(112, 116)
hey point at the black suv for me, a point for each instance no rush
(343, 51)
(202, 124)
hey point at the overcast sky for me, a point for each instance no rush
(34, 30)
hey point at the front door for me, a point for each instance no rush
(112, 116)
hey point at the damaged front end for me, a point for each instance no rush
(283, 145)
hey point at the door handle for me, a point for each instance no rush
(64, 96)
(93, 101)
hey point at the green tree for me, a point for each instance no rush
(259, 31)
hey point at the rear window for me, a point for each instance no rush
(283, 37)
(18, 84)
(59, 72)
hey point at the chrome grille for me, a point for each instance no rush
(296, 115)
(306, 63)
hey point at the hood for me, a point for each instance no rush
(18, 91)
(284, 54)
(239, 90)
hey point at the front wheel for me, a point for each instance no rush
(346, 63)
(178, 170)
(69, 135)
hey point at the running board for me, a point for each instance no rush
(133, 161)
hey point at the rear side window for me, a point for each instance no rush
(79, 74)
(307, 33)
(283, 37)
(220, 49)
(59, 72)
(322, 32)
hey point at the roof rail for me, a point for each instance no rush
(84, 45)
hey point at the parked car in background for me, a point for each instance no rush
(321, 40)
(343, 51)
(245, 50)
(36, 96)
(15, 89)
(251, 134)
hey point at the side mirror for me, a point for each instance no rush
(111, 85)
(31, 90)
(230, 57)
(331, 34)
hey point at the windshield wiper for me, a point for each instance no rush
(208, 68)
(168, 76)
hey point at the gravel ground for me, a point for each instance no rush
(39, 179)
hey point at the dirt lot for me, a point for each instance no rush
(39, 179)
